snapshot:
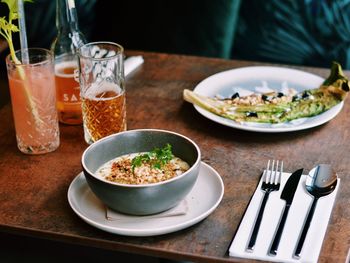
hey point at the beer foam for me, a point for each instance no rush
(66, 64)
(97, 88)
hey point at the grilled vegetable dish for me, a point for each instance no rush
(277, 107)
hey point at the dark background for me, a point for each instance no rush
(295, 32)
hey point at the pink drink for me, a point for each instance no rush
(33, 97)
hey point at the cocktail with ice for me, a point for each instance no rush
(32, 86)
(33, 97)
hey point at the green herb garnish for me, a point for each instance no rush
(156, 158)
(7, 27)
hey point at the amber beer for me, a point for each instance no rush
(104, 111)
(68, 93)
(101, 76)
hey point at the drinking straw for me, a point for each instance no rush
(22, 32)
(25, 60)
(71, 8)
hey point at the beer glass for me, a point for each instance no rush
(102, 87)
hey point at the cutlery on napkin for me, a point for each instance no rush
(131, 63)
(321, 182)
(293, 226)
(287, 195)
(180, 209)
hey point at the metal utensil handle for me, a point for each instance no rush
(277, 238)
(254, 235)
(305, 229)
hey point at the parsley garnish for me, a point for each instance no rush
(156, 158)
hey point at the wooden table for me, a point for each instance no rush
(33, 189)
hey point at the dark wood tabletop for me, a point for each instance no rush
(33, 189)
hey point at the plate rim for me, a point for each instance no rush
(146, 232)
(333, 112)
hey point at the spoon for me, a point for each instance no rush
(321, 181)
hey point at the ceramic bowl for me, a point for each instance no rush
(141, 199)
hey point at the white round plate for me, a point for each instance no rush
(248, 78)
(202, 201)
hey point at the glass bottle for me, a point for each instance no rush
(64, 47)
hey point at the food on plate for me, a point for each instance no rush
(144, 168)
(270, 106)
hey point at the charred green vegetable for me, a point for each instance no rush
(278, 108)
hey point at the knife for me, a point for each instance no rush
(288, 195)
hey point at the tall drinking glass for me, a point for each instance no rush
(33, 97)
(102, 87)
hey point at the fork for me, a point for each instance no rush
(271, 182)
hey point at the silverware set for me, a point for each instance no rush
(271, 182)
(321, 181)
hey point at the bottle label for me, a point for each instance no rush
(68, 90)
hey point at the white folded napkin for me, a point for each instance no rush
(131, 63)
(292, 229)
(180, 209)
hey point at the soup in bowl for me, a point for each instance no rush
(142, 172)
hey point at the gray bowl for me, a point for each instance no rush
(142, 199)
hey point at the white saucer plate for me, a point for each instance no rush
(205, 196)
(224, 83)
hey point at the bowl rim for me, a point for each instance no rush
(198, 160)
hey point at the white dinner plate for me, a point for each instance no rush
(224, 84)
(202, 201)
